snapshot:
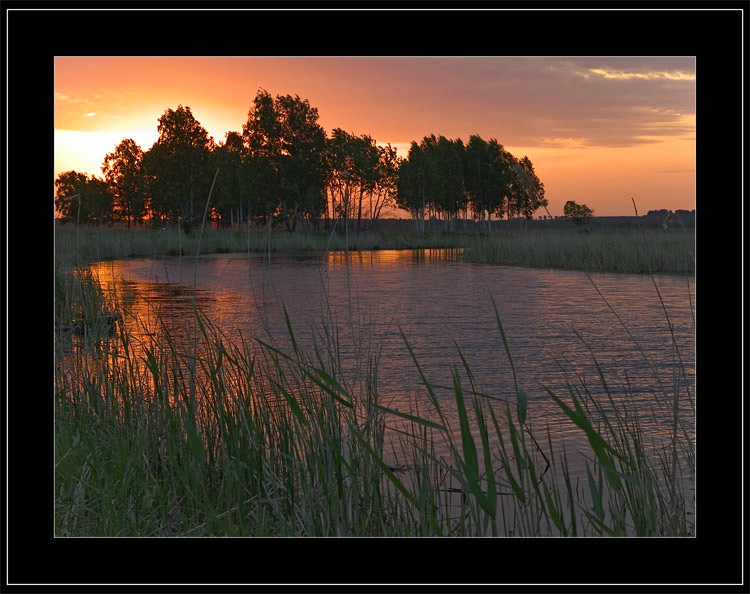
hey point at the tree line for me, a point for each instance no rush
(283, 168)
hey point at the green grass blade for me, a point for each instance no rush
(408, 417)
(385, 468)
(471, 462)
(598, 445)
(521, 405)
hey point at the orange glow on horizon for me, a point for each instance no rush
(588, 151)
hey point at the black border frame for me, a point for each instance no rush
(714, 32)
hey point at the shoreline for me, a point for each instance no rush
(625, 250)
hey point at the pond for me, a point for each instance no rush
(558, 324)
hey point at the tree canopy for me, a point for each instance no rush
(578, 213)
(448, 177)
(284, 132)
(177, 169)
(123, 174)
(283, 167)
(82, 199)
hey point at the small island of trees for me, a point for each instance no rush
(283, 168)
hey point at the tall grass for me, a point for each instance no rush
(623, 250)
(159, 436)
(619, 250)
(95, 244)
(203, 434)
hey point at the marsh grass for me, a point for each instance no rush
(242, 437)
(207, 434)
(623, 250)
(97, 244)
(619, 250)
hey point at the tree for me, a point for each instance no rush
(303, 147)
(527, 191)
(261, 135)
(578, 213)
(82, 199)
(412, 185)
(122, 171)
(285, 134)
(353, 168)
(448, 189)
(487, 178)
(177, 168)
(231, 183)
(344, 174)
(385, 191)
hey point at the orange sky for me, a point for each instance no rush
(598, 130)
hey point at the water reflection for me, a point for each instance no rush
(385, 257)
(555, 321)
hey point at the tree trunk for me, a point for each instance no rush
(359, 211)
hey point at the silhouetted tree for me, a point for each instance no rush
(578, 213)
(527, 191)
(487, 178)
(448, 189)
(231, 182)
(342, 174)
(261, 135)
(366, 171)
(385, 190)
(177, 168)
(303, 147)
(81, 199)
(284, 132)
(122, 171)
(413, 185)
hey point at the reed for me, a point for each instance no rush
(160, 436)
(207, 434)
(620, 250)
(623, 250)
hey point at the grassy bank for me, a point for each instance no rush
(623, 250)
(159, 436)
(637, 251)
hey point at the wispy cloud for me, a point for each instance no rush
(624, 75)
(548, 102)
(560, 142)
(63, 98)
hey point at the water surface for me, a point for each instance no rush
(555, 321)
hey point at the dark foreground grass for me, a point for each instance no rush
(611, 250)
(156, 436)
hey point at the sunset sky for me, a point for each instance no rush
(598, 130)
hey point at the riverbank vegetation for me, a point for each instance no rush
(188, 432)
(669, 251)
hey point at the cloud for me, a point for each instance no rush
(559, 142)
(565, 102)
(600, 101)
(63, 98)
(89, 115)
(622, 75)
